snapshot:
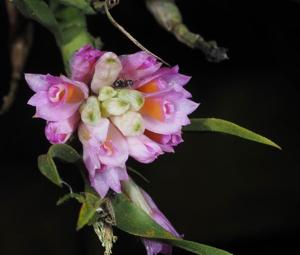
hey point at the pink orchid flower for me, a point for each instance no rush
(56, 98)
(83, 63)
(123, 105)
(138, 65)
(60, 131)
(105, 153)
(143, 149)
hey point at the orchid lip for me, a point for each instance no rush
(107, 148)
(56, 93)
(169, 109)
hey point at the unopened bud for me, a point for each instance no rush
(134, 97)
(115, 106)
(107, 70)
(90, 111)
(133, 191)
(106, 92)
(130, 123)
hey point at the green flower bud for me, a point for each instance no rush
(106, 92)
(90, 111)
(115, 106)
(134, 97)
(130, 123)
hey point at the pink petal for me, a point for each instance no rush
(91, 159)
(158, 216)
(39, 82)
(112, 177)
(83, 63)
(119, 148)
(56, 113)
(167, 127)
(39, 98)
(99, 184)
(143, 149)
(160, 73)
(138, 65)
(187, 106)
(166, 142)
(177, 78)
(60, 131)
(155, 247)
(109, 177)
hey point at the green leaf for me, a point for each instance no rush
(66, 22)
(88, 209)
(226, 127)
(48, 169)
(135, 221)
(47, 165)
(83, 5)
(64, 152)
(39, 11)
(79, 197)
(90, 204)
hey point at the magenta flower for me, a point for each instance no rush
(83, 63)
(139, 197)
(138, 65)
(60, 131)
(143, 149)
(122, 106)
(105, 153)
(56, 98)
(166, 142)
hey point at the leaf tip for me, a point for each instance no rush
(78, 227)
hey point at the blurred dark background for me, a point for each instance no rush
(217, 189)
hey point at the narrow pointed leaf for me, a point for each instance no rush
(135, 221)
(88, 210)
(86, 213)
(67, 197)
(227, 127)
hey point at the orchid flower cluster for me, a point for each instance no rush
(120, 106)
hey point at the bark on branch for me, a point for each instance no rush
(169, 16)
(20, 39)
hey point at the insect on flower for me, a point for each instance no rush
(122, 83)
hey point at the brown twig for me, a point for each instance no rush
(20, 40)
(169, 17)
(127, 34)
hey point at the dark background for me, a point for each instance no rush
(217, 189)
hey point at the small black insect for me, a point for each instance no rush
(121, 83)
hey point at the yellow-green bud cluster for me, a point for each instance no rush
(120, 105)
